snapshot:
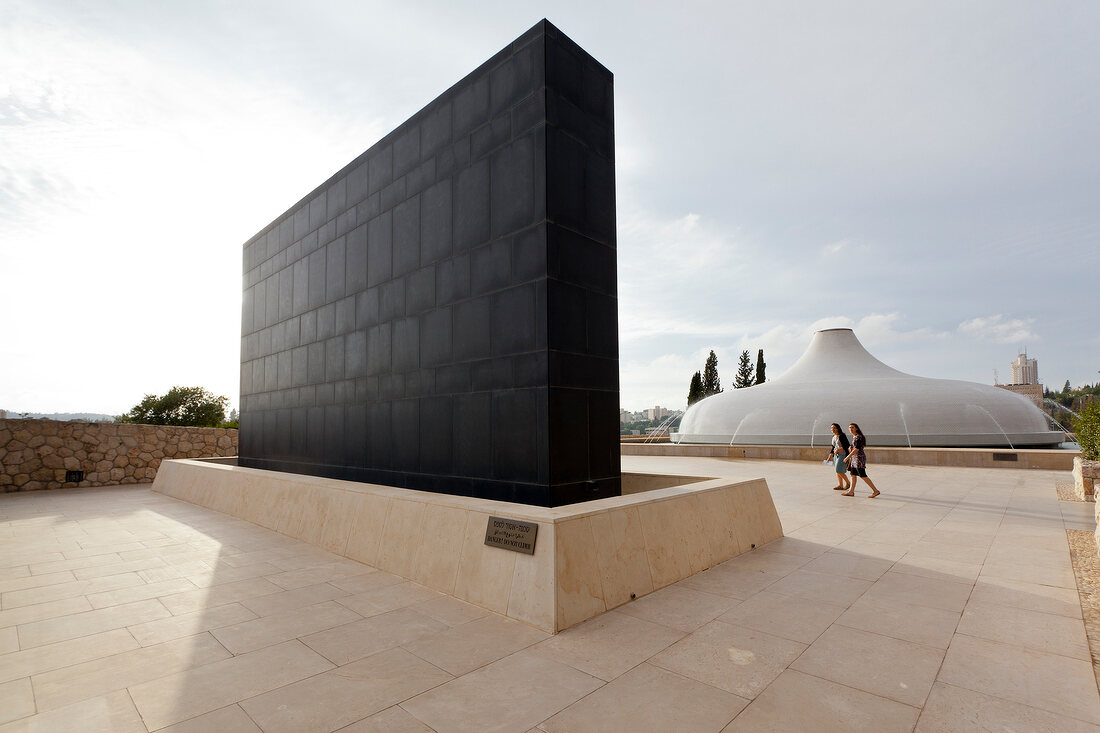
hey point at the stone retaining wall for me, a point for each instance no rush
(1039, 458)
(37, 454)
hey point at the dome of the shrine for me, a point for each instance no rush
(837, 380)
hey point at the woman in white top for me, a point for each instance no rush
(839, 453)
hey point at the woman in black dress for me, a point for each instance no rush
(857, 462)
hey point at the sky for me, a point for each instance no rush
(927, 173)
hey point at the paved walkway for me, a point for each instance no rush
(946, 604)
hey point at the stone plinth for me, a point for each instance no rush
(589, 557)
(1085, 475)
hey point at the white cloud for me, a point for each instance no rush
(999, 329)
(128, 185)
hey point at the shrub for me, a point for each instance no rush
(1088, 431)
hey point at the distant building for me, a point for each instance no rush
(625, 416)
(1033, 392)
(3, 414)
(1024, 370)
(657, 413)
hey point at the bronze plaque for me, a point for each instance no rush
(511, 534)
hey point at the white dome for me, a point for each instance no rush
(837, 380)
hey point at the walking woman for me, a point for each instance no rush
(840, 452)
(857, 462)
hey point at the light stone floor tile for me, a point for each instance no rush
(58, 591)
(464, 648)
(207, 577)
(1048, 681)
(739, 660)
(112, 713)
(833, 589)
(344, 695)
(347, 643)
(19, 571)
(937, 568)
(776, 562)
(786, 616)
(849, 564)
(98, 677)
(919, 624)
(268, 630)
(648, 698)
(794, 546)
(202, 598)
(56, 566)
(1029, 596)
(184, 695)
(99, 571)
(54, 656)
(678, 607)
(16, 700)
(499, 698)
(1042, 632)
(905, 588)
(959, 539)
(177, 570)
(9, 640)
(390, 720)
(609, 644)
(877, 550)
(953, 709)
(188, 624)
(367, 582)
(731, 581)
(291, 579)
(1014, 554)
(882, 665)
(229, 719)
(290, 600)
(53, 630)
(35, 581)
(450, 611)
(112, 548)
(1061, 577)
(389, 598)
(802, 702)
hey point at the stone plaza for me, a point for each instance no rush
(948, 603)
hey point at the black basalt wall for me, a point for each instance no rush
(441, 314)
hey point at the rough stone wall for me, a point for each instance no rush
(36, 454)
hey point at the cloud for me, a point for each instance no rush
(999, 330)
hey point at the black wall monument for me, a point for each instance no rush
(441, 314)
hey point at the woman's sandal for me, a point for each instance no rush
(848, 493)
(872, 496)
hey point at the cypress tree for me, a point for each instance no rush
(695, 391)
(711, 383)
(744, 372)
(760, 365)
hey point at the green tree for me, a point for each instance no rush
(1088, 431)
(695, 391)
(190, 406)
(760, 366)
(711, 383)
(744, 376)
(1066, 388)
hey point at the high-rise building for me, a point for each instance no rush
(1024, 370)
(657, 413)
